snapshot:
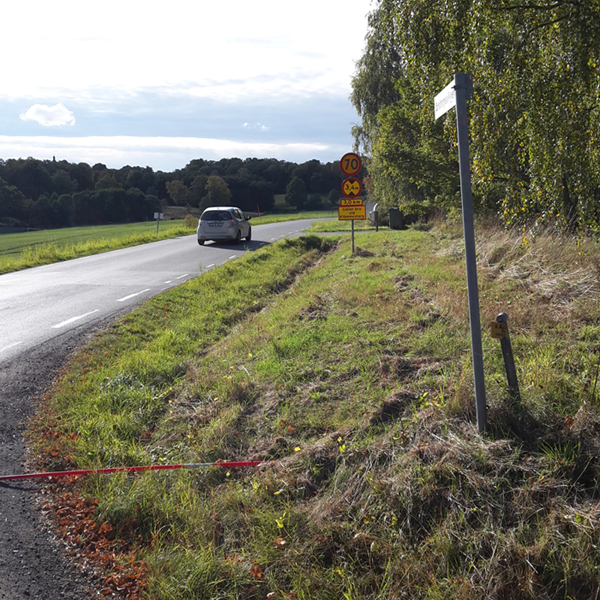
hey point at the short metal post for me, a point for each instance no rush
(509, 360)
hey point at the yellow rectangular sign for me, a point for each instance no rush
(498, 330)
(352, 213)
(351, 201)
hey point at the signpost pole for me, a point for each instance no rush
(158, 217)
(353, 238)
(463, 87)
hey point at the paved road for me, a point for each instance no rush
(39, 304)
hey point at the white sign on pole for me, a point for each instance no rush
(445, 100)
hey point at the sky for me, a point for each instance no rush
(147, 83)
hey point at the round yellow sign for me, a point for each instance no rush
(350, 164)
(352, 187)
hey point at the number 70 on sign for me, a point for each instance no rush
(350, 164)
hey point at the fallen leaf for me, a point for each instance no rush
(256, 571)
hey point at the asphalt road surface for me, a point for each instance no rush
(45, 314)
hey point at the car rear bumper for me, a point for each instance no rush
(227, 235)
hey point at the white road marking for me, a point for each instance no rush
(210, 266)
(133, 295)
(10, 346)
(232, 257)
(73, 319)
(170, 281)
(182, 276)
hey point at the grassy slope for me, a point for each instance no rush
(351, 376)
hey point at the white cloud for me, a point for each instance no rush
(161, 153)
(49, 116)
(256, 126)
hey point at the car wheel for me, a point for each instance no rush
(249, 236)
(238, 237)
(201, 242)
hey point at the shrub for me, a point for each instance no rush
(190, 222)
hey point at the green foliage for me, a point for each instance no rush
(13, 202)
(534, 114)
(296, 194)
(179, 192)
(218, 192)
(54, 194)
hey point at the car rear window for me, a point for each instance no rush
(216, 215)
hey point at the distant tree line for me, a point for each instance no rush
(46, 194)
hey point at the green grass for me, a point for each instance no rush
(15, 243)
(34, 248)
(337, 225)
(292, 215)
(351, 377)
(23, 250)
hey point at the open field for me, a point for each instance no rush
(30, 249)
(34, 248)
(15, 243)
(350, 376)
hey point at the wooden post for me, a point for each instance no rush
(509, 360)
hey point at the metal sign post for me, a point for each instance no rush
(351, 208)
(158, 217)
(456, 94)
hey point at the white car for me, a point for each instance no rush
(227, 223)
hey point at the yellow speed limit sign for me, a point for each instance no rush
(350, 164)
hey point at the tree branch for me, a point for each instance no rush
(539, 7)
(530, 31)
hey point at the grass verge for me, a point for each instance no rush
(335, 225)
(24, 250)
(351, 377)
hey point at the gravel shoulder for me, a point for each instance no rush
(32, 560)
